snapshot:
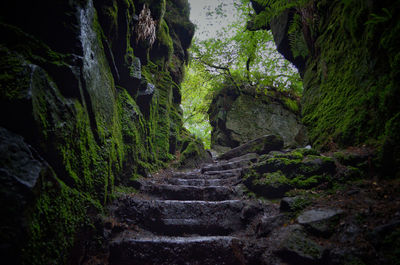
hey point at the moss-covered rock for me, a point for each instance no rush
(238, 117)
(297, 247)
(70, 83)
(277, 173)
(191, 153)
(351, 76)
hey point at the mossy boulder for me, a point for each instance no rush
(268, 185)
(297, 248)
(241, 116)
(277, 172)
(192, 153)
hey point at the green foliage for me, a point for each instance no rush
(195, 101)
(273, 8)
(296, 37)
(291, 104)
(241, 57)
(236, 58)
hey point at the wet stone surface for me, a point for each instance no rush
(216, 215)
(191, 217)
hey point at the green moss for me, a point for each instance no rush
(302, 182)
(306, 151)
(300, 203)
(190, 151)
(14, 76)
(291, 104)
(58, 215)
(272, 179)
(165, 122)
(294, 155)
(164, 47)
(93, 137)
(350, 84)
(140, 157)
(124, 190)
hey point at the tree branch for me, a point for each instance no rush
(218, 67)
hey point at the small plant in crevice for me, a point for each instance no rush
(146, 27)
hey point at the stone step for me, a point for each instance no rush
(174, 217)
(234, 163)
(226, 165)
(183, 192)
(229, 173)
(187, 175)
(211, 250)
(201, 182)
(216, 174)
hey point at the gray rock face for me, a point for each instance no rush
(320, 221)
(297, 248)
(250, 118)
(317, 215)
(280, 27)
(237, 119)
(17, 163)
(20, 170)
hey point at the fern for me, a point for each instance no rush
(377, 19)
(273, 8)
(297, 42)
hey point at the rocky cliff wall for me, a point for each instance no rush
(238, 117)
(348, 54)
(89, 98)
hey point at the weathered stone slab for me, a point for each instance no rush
(180, 192)
(320, 221)
(183, 217)
(175, 250)
(260, 146)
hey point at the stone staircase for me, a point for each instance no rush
(193, 217)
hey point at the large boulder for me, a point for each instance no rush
(239, 118)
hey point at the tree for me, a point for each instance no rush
(237, 57)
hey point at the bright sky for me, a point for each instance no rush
(206, 26)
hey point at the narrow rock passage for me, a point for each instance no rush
(193, 217)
